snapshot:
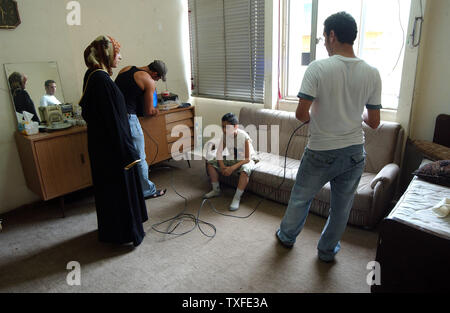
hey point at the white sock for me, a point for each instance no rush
(215, 192)
(238, 194)
(216, 186)
(236, 200)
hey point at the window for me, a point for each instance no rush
(227, 49)
(381, 41)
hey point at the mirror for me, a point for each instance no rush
(34, 93)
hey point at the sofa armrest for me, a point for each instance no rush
(383, 186)
(387, 174)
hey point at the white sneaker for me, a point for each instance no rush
(212, 194)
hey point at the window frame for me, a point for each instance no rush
(284, 47)
(256, 93)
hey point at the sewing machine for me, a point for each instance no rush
(51, 114)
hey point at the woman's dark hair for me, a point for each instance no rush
(230, 118)
(15, 82)
(344, 26)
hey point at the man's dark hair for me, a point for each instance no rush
(230, 118)
(344, 26)
(48, 82)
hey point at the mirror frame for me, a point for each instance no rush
(60, 91)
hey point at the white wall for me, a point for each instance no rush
(146, 29)
(212, 110)
(432, 96)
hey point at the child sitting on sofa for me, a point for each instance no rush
(235, 153)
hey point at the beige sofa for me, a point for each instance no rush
(376, 188)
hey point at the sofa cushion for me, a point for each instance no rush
(268, 120)
(270, 170)
(382, 145)
(364, 193)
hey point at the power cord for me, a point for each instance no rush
(152, 139)
(403, 36)
(182, 216)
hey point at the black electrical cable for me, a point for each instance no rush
(403, 37)
(182, 216)
(157, 146)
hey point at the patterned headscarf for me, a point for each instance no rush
(100, 54)
(116, 47)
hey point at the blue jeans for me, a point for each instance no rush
(343, 169)
(139, 143)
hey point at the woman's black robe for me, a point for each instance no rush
(118, 193)
(23, 102)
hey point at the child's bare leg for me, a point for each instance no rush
(214, 175)
(243, 181)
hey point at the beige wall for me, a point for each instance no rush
(432, 93)
(146, 29)
(212, 110)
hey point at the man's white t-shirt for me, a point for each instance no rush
(340, 88)
(49, 100)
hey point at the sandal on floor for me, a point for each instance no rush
(158, 193)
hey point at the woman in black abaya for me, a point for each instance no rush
(21, 98)
(119, 199)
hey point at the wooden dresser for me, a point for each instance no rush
(157, 130)
(57, 163)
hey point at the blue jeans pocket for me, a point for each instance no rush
(358, 160)
(320, 159)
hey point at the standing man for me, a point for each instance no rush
(49, 97)
(138, 87)
(336, 96)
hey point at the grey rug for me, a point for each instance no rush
(244, 256)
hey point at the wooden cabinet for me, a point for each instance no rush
(57, 163)
(157, 132)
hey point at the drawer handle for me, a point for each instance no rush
(82, 159)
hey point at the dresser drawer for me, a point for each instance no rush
(187, 144)
(188, 122)
(185, 123)
(179, 116)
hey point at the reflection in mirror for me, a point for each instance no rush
(34, 85)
